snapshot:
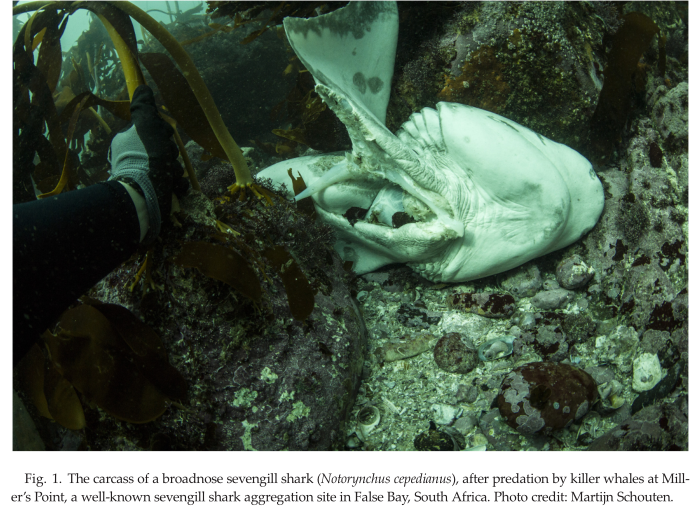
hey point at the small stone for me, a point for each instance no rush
(479, 440)
(443, 414)
(647, 372)
(527, 320)
(404, 348)
(434, 440)
(573, 272)
(551, 299)
(600, 374)
(465, 424)
(376, 277)
(466, 393)
(454, 354)
(550, 284)
(524, 282)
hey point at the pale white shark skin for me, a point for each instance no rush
(485, 193)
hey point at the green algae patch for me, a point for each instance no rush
(268, 376)
(247, 436)
(300, 410)
(244, 398)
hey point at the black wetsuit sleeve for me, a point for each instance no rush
(62, 246)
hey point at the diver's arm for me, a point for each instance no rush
(62, 246)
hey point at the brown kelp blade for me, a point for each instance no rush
(50, 55)
(52, 395)
(91, 354)
(152, 359)
(181, 102)
(67, 176)
(223, 264)
(118, 19)
(119, 108)
(298, 290)
(613, 107)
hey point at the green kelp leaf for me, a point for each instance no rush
(222, 264)
(181, 102)
(300, 295)
(90, 353)
(613, 106)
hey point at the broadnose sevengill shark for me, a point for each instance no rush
(458, 193)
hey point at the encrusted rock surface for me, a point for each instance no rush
(544, 397)
(455, 353)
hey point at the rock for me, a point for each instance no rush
(486, 304)
(573, 273)
(551, 343)
(522, 282)
(551, 299)
(434, 440)
(541, 397)
(660, 344)
(392, 351)
(600, 374)
(465, 424)
(618, 348)
(646, 372)
(25, 437)
(466, 393)
(662, 389)
(526, 320)
(654, 428)
(670, 114)
(443, 414)
(550, 284)
(454, 353)
(217, 180)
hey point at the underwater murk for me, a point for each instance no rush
(490, 252)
